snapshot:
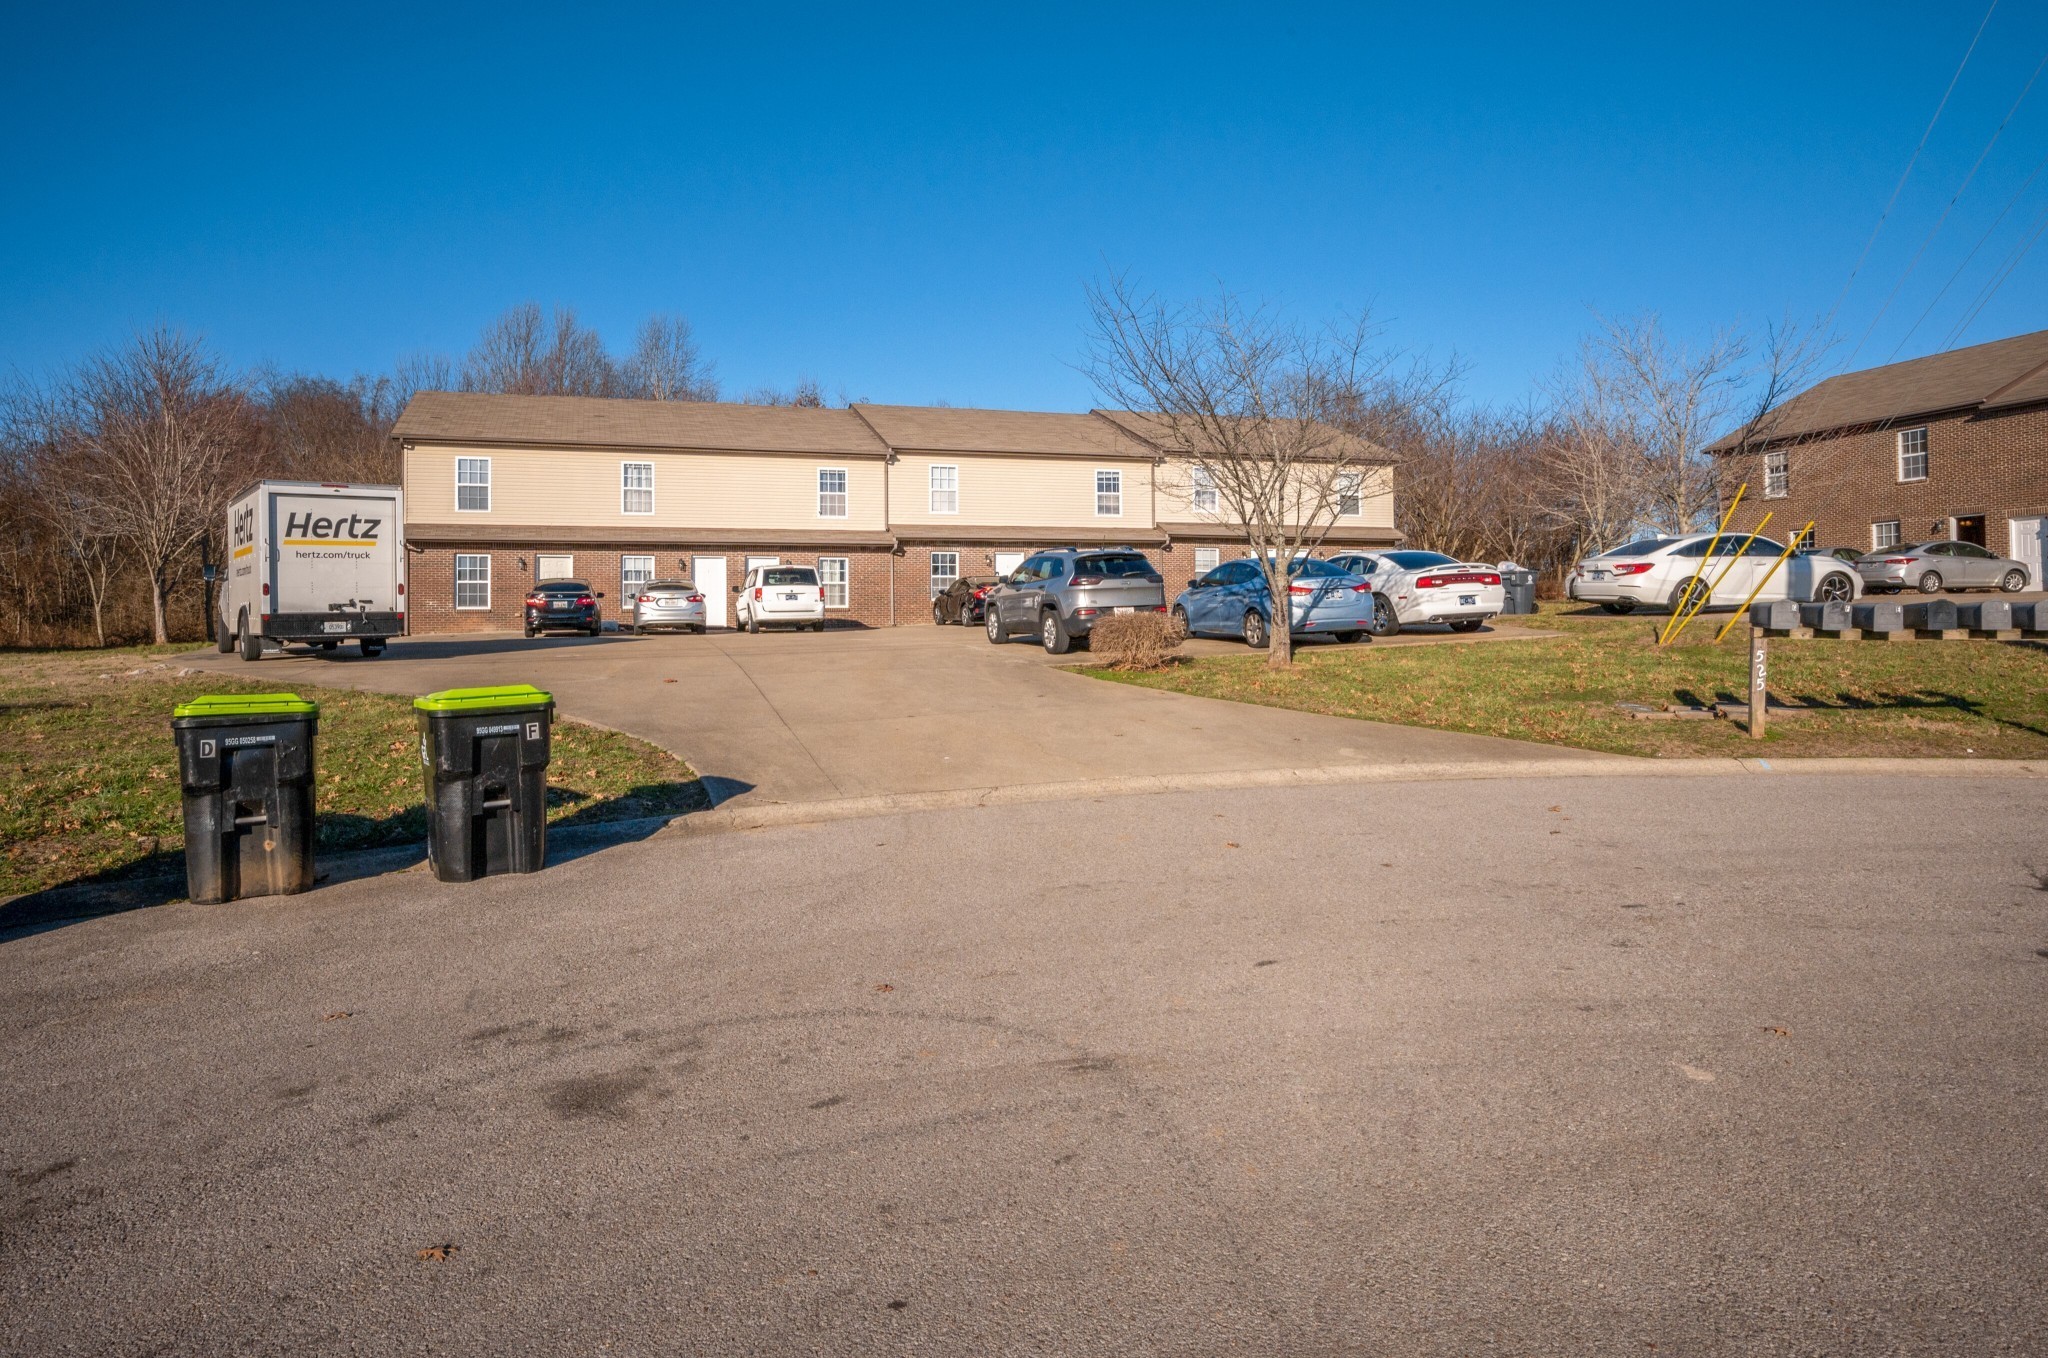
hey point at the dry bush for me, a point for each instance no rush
(1135, 641)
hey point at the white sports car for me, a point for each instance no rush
(1674, 572)
(1411, 588)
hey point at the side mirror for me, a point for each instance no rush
(1194, 584)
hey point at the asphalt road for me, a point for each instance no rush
(1530, 1067)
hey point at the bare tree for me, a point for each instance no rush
(416, 373)
(1265, 412)
(524, 353)
(49, 476)
(666, 364)
(316, 428)
(807, 394)
(154, 430)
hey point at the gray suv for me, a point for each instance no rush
(1058, 594)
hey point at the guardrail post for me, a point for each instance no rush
(1759, 675)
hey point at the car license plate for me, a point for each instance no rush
(334, 626)
(1596, 575)
(1124, 610)
(1467, 600)
(559, 603)
(790, 598)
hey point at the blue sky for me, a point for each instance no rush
(906, 204)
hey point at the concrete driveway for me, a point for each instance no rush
(810, 717)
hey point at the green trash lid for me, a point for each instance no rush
(483, 699)
(247, 705)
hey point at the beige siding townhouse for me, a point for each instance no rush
(889, 503)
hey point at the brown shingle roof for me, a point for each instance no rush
(590, 421)
(1990, 376)
(1153, 429)
(943, 429)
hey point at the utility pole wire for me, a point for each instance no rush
(1896, 188)
(1996, 282)
(1960, 189)
(2003, 212)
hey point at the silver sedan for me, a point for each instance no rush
(1932, 567)
(664, 603)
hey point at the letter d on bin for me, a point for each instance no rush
(245, 767)
(486, 757)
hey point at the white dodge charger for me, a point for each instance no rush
(1409, 588)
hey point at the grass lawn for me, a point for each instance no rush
(89, 784)
(1984, 699)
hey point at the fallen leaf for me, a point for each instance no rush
(885, 987)
(1231, 844)
(436, 1253)
(668, 681)
(1781, 1032)
(337, 1014)
(1557, 808)
(1694, 1072)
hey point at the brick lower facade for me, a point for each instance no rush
(1992, 466)
(883, 588)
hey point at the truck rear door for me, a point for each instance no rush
(334, 553)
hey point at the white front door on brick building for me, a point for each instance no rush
(2030, 547)
(707, 573)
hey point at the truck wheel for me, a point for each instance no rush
(223, 638)
(1053, 633)
(252, 645)
(372, 648)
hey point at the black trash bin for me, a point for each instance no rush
(245, 764)
(1519, 587)
(486, 757)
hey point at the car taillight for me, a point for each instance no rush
(1159, 608)
(1087, 580)
(266, 588)
(980, 593)
(1362, 587)
(534, 602)
(1429, 582)
(694, 599)
(1489, 579)
(1633, 568)
(757, 594)
(1889, 561)
(585, 602)
(644, 599)
(1301, 589)
(401, 589)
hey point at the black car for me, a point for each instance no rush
(961, 601)
(563, 606)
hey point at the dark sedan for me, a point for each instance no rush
(961, 601)
(563, 606)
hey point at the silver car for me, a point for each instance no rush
(1932, 567)
(664, 603)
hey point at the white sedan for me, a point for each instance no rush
(1673, 572)
(780, 596)
(1411, 588)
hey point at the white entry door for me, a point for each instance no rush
(2030, 547)
(1008, 561)
(707, 573)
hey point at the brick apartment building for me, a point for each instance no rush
(889, 503)
(1954, 445)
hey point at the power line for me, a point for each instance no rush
(1996, 282)
(1907, 173)
(1935, 230)
(2010, 204)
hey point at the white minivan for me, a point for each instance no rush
(779, 596)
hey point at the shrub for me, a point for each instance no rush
(1135, 641)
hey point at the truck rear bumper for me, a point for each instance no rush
(329, 626)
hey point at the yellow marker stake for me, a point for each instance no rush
(1666, 636)
(1783, 556)
(1708, 597)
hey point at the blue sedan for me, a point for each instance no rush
(1233, 601)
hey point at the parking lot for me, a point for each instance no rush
(806, 717)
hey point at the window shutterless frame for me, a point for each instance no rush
(1350, 495)
(944, 481)
(473, 485)
(1884, 534)
(472, 581)
(1777, 474)
(636, 487)
(1202, 497)
(945, 570)
(1109, 494)
(831, 492)
(1913, 454)
(833, 574)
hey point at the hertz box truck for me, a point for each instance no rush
(313, 563)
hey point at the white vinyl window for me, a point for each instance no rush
(1350, 495)
(1913, 455)
(945, 490)
(833, 573)
(1109, 494)
(553, 566)
(1202, 497)
(1883, 535)
(945, 570)
(634, 573)
(831, 492)
(472, 580)
(473, 484)
(636, 487)
(1777, 474)
(1207, 559)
